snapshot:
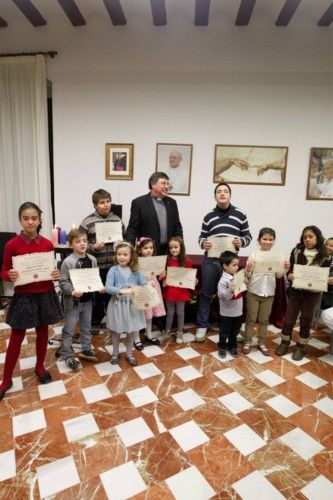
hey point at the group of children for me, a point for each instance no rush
(36, 305)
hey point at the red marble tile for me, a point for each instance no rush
(113, 411)
(220, 462)
(297, 392)
(266, 422)
(158, 491)
(7, 441)
(253, 390)
(323, 462)
(214, 419)
(65, 407)
(316, 424)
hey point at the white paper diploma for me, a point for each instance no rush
(86, 280)
(310, 278)
(145, 297)
(108, 232)
(220, 244)
(181, 277)
(239, 282)
(34, 267)
(152, 266)
(269, 262)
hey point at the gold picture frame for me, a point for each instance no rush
(119, 161)
(176, 161)
(320, 176)
(264, 165)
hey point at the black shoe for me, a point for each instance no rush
(222, 353)
(298, 354)
(234, 353)
(153, 341)
(89, 355)
(138, 346)
(72, 363)
(44, 378)
(3, 391)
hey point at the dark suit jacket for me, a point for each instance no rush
(144, 220)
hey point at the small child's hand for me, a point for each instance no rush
(232, 288)
(164, 284)
(162, 275)
(290, 277)
(55, 275)
(286, 265)
(99, 246)
(13, 275)
(102, 290)
(249, 266)
(196, 281)
(207, 245)
(330, 280)
(77, 293)
(246, 280)
(126, 291)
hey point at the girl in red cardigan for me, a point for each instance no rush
(175, 296)
(34, 305)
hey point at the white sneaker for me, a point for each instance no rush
(200, 334)
(179, 338)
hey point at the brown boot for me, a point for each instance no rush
(298, 354)
(282, 349)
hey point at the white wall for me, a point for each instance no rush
(141, 84)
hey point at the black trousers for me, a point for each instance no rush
(229, 329)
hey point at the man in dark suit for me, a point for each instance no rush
(155, 214)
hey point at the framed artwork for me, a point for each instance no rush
(119, 161)
(320, 177)
(265, 165)
(176, 161)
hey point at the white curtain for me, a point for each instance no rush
(24, 160)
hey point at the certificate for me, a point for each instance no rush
(108, 232)
(269, 262)
(152, 266)
(239, 282)
(33, 267)
(181, 277)
(310, 278)
(145, 297)
(220, 244)
(86, 280)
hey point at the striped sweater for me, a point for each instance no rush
(230, 222)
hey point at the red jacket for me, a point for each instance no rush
(176, 293)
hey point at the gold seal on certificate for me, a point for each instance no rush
(182, 277)
(86, 280)
(219, 245)
(269, 262)
(108, 232)
(33, 267)
(312, 278)
(145, 297)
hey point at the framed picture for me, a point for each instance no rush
(176, 161)
(320, 177)
(265, 165)
(119, 161)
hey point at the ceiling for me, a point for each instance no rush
(275, 13)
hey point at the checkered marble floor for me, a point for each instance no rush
(183, 424)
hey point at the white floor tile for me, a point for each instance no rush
(187, 373)
(28, 422)
(327, 358)
(80, 427)
(134, 431)
(255, 485)
(283, 405)
(325, 405)
(187, 353)
(106, 368)
(25, 341)
(57, 476)
(150, 351)
(122, 482)
(214, 338)
(4, 326)
(57, 330)
(259, 357)
(95, 393)
(235, 402)
(311, 380)
(122, 348)
(188, 337)
(229, 376)
(51, 390)
(288, 357)
(277, 340)
(189, 435)
(146, 371)
(17, 385)
(63, 368)
(26, 363)
(270, 378)
(319, 344)
(141, 396)
(190, 484)
(301, 443)
(188, 399)
(2, 357)
(7, 465)
(273, 329)
(320, 487)
(245, 439)
(297, 328)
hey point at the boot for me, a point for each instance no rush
(282, 349)
(298, 354)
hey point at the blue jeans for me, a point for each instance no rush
(81, 314)
(210, 275)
